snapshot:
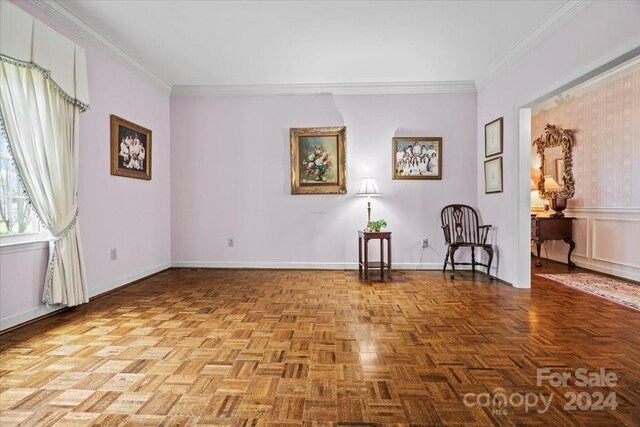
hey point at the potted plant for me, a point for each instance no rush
(377, 225)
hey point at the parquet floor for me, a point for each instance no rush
(276, 347)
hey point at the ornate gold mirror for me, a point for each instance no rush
(556, 174)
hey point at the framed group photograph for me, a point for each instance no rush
(493, 175)
(416, 157)
(318, 160)
(130, 149)
(493, 138)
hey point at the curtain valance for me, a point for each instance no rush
(30, 42)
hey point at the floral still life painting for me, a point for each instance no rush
(318, 160)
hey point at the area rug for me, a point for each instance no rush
(619, 291)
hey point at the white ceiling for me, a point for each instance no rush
(321, 42)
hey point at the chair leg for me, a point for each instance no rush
(446, 259)
(453, 264)
(490, 253)
(473, 259)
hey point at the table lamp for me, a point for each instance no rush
(558, 204)
(369, 189)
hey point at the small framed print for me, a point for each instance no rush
(493, 138)
(493, 175)
(130, 149)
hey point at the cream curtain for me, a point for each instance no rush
(41, 124)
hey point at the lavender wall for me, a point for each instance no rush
(231, 178)
(598, 29)
(115, 212)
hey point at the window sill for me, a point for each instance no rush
(23, 242)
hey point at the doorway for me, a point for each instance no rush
(564, 91)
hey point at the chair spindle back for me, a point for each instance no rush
(460, 224)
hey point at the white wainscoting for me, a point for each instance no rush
(581, 236)
(607, 240)
(616, 241)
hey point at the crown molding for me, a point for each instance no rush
(60, 13)
(325, 89)
(558, 18)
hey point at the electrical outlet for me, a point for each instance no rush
(230, 242)
(114, 254)
(425, 243)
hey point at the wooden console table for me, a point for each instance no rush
(363, 246)
(552, 228)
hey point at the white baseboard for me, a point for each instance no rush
(271, 265)
(306, 265)
(274, 265)
(582, 262)
(34, 313)
(126, 280)
(25, 316)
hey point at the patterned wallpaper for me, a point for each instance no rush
(606, 154)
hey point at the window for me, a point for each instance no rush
(16, 214)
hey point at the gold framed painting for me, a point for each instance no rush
(493, 138)
(318, 160)
(416, 157)
(130, 149)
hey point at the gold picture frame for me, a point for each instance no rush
(556, 136)
(130, 149)
(416, 157)
(318, 160)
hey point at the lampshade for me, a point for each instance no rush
(550, 183)
(368, 187)
(535, 178)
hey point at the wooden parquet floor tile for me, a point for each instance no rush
(313, 348)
